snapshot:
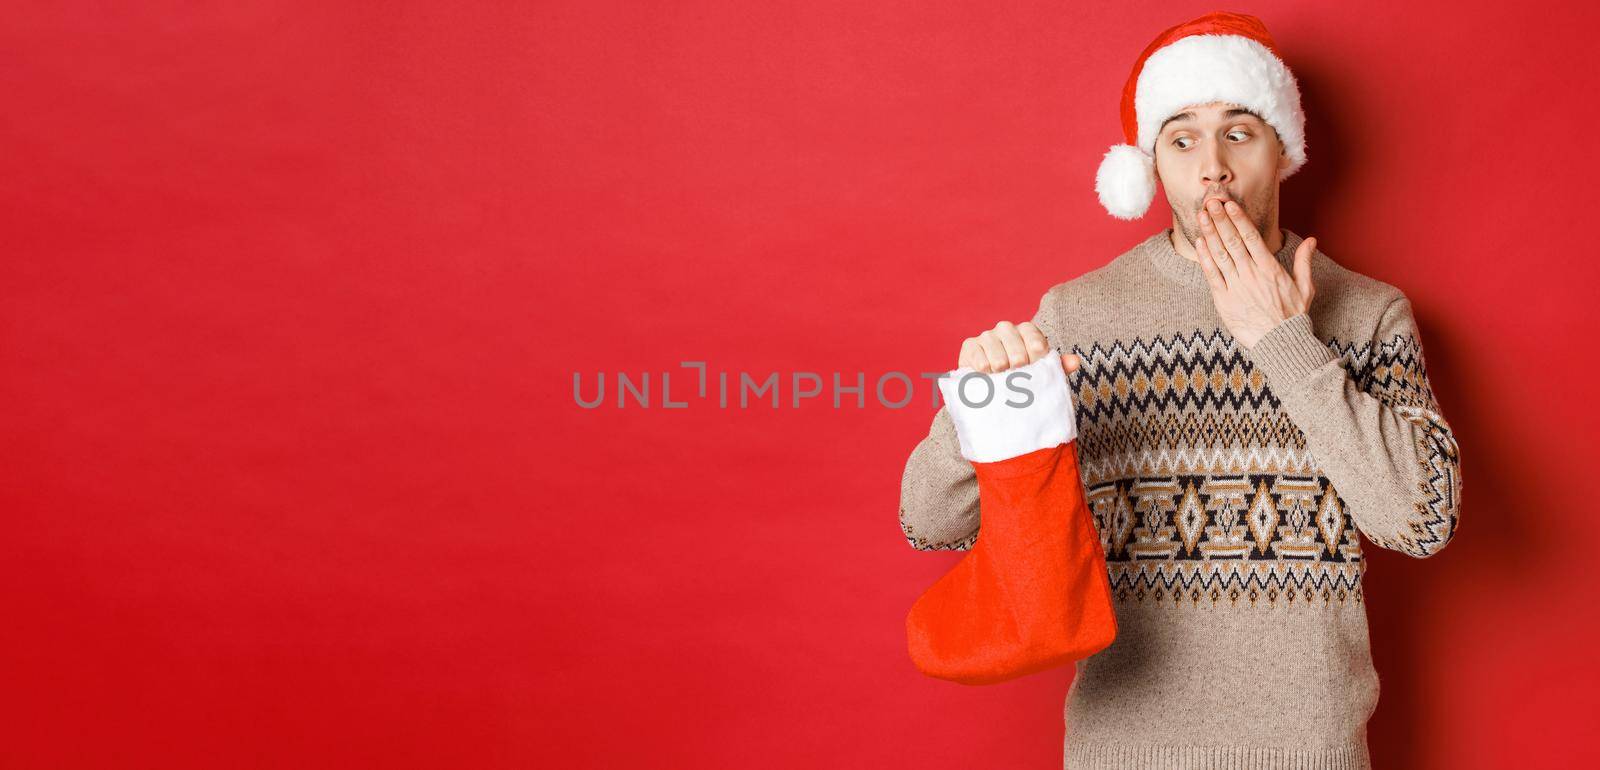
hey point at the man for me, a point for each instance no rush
(1246, 409)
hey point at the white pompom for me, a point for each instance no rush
(1126, 181)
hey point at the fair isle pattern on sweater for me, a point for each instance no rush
(1201, 518)
(1394, 372)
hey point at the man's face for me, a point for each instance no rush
(1219, 151)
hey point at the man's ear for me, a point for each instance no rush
(1283, 160)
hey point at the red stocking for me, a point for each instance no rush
(1033, 593)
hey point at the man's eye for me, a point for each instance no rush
(1182, 142)
(1241, 135)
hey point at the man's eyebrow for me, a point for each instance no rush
(1179, 116)
(1231, 113)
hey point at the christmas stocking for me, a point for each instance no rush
(1033, 593)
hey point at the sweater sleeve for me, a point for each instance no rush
(939, 488)
(1378, 435)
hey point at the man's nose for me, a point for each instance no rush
(1214, 169)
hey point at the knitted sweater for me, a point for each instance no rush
(1230, 487)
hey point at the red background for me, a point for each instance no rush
(294, 294)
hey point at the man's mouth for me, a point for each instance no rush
(1220, 196)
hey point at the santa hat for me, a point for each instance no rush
(1219, 57)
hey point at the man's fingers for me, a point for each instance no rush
(971, 356)
(1033, 341)
(1253, 241)
(1302, 268)
(1219, 255)
(1016, 349)
(1008, 346)
(1233, 242)
(1209, 267)
(994, 352)
(1070, 363)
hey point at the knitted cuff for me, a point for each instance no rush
(1289, 352)
(1010, 413)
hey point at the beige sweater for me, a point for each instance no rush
(1229, 486)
